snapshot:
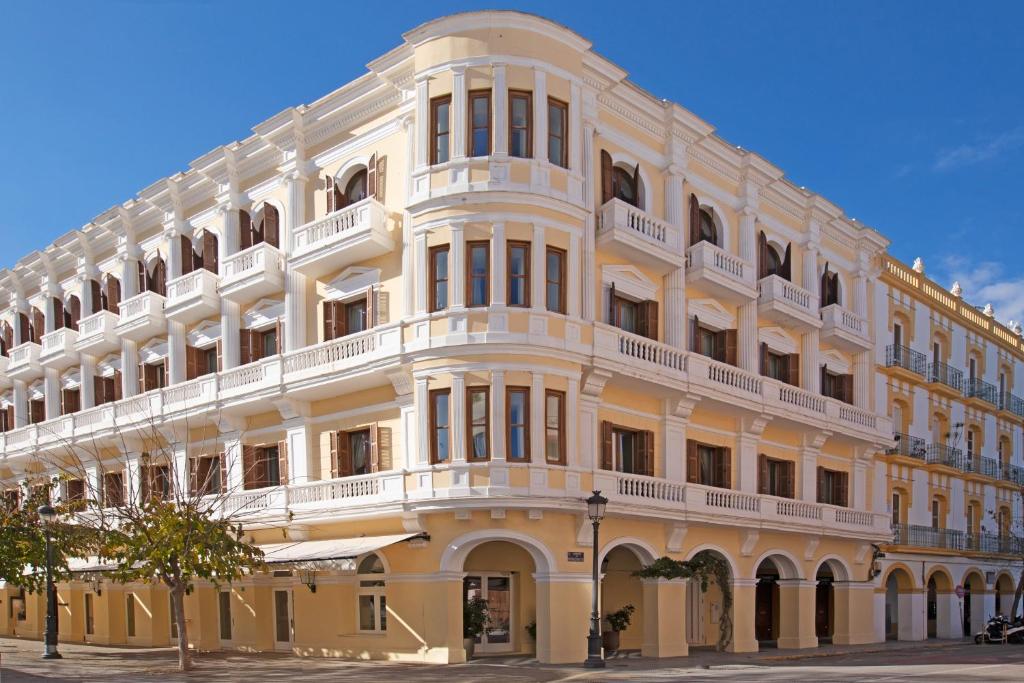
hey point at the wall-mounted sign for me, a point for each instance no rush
(575, 556)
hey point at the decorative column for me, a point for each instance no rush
(457, 415)
(296, 284)
(231, 442)
(230, 316)
(675, 282)
(498, 277)
(537, 282)
(457, 267)
(422, 123)
(87, 384)
(540, 115)
(301, 451)
(589, 239)
(797, 599)
(744, 607)
(810, 377)
(748, 437)
(810, 449)
(421, 273)
(51, 389)
(410, 444)
(747, 332)
(182, 481)
(20, 403)
(421, 410)
(129, 348)
(537, 417)
(862, 366)
(664, 613)
(459, 113)
(852, 616)
(675, 414)
(498, 427)
(572, 294)
(500, 110)
(176, 351)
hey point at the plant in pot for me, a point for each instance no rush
(531, 629)
(617, 622)
(474, 620)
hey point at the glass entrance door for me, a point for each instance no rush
(496, 589)
(283, 620)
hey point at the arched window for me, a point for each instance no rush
(110, 294)
(260, 227)
(830, 290)
(355, 190)
(624, 186)
(153, 276)
(72, 312)
(372, 603)
(897, 508)
(620, 182)
(702, 224)
(769, 260)
(6, 338)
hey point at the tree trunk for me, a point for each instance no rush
(1017, 596)
(178, 604)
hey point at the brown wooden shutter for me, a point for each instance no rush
(118, 385)
(650, 316)
(823, 379)
(847, 388)
(764, 357)
(637, 188)
(841, 497)
(222, 462)
(374, 448)
(113, 294)
(74, 312)
(725, 467)
(371, 176)
(611, 306)
(731, 347)
(38, 327)
(329, 187)
(371, 312)
(96, 297)
(25, 331)
(270, 225)
(790, 479)
(186, 255)
(823, 293)
(787, 263)
(793, 369)
(328, 307)
(821, 484)
(192, 356)
(762, 473)
(647, 453)
(99, 394)
(249, 474)
(382, 172)
(210, 251)
(606, 177)
(244, 346)
(282, 461)
(57, 309)
(143, 370)
(9, 412)
(607, 462)
(694, 220)
(694, 335)
(244, 229)
(762, 255)
(345, 468)
(279, 336)
(160, 277)
(692, 462)
(193, 476)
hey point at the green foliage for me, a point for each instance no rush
(531, 629)
(475, 613)
(705, 567)
(620, 619)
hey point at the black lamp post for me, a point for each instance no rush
(47, 515)
(595, 510)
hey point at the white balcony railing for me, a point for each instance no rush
(719, 272)
(349, 235)
(641, 236)
(58, 349)
(252, 273)
(24, 361)
(193, 296)
(142, 316)
(780, 300)
(844, 328)
(97, 333)
(626, 346)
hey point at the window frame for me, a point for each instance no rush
(377, 595)
(560, 395)
(525, 391)
(563, 112)
(432, 252)
(470, 277)
(528, 128)
(562, 256)
(432, 397)
(435, 104)
(485, 422)
(484, 93)
(618, 432)
(524, 276)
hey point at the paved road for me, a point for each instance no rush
(20, 663)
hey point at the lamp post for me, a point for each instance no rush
(595, 510)
(47, 515)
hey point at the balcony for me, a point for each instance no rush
(1014, 473)
(315, 371)
(347, 236)
(941, 454)
(1011, 403)
(908, 446)
(97, 334)
(142, 316)
(5, 381)
(639, 237)
(996, 544)
(906, 358)
(945, 375)
(988, 467)
(928, 537)
(785, 303)
(844, 329)
(24, 362)
(720, 273)
(192, 297)
(252, 274)
(58, 349)
(982, 390)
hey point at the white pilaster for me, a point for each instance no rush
(500, 110)
(230, 324)
(129, 367)
(537, 417)
(421, 403)
(422, 276)
(422, 123)
(498, 427)
(457, 413)
(87, 391)
(457, 267)
(537, 279)
(176, 351)
(51, 387)
(589, 244)
(459, 113)
(301, 460)
(810, 377)
(296, 284)
(232, 442)
(540, 115)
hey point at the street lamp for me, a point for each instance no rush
(47, 515)
(595, 510)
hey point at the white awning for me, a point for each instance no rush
(333, 549)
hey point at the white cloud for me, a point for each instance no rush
(966, 155)
(986, 282)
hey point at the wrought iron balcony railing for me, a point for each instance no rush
(944, 373)
(978, 388)
(909, 446)
(907, 358)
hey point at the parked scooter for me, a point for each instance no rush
(999, 629)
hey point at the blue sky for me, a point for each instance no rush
(908, 115)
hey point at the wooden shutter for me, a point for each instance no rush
(821, 484)
(38, 327)
(724, 467)
(282, 461)
(843, 481)
(611, 306)
(344, 455)
(607, 462)
(38, 411)
(371, 176)
(694, 220)
(279, 336)
(646, 453)
(118, 385)
(270, 227)
(334, 454)
(192, 356)
(606, 177)
(692, 462)
(789, 473)
(762, 473)
(186, 255)
(57, 309)
(847, 388)
(25, 331)
(331, 197)
(244, 346)
(113, 294)
(68, 401)
(220, 356)
(382, 172)
(694, 336)
(649, 319)
(143, 369)
(823, 293)
(222, 462)
(371, 313)
(9, 412)
(210, 255)
(762, 255)
(99, 394)
(193, 476)
(793, 369)
(636, 187)
(140, 267)
(764, 357)
(328, 307)
(74, 312)
(787, 265)
(731, 346)
(244, 229)
(95, 296)
(374, 448)
(823, 379)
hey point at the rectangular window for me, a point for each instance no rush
(775, 477)
(709, 465)
(130, 607)
(554, 432)
(554, 276)
(896, 510)
(775, 366)
(836, 386)
(478, 275)
(268, 343)
(519, 274)
(477, 423)
(207, 480)
(90, 620)
(359, 451)
(355, 317)
(74, 490)
(520, 123)
(439, 278)
(624, 450)
(479, 123)
(440, 425)
(373, 611)
(626, 313)
(113, 489)
(209, 359)
(517, 406)
(935, 515)
(558, 123)
(224, 610)
(440, 108)
(832, 487)
(270, 463)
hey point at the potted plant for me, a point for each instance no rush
(474, 620)
(617, 622)
(531, 629)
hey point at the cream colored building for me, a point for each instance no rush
(410, 326)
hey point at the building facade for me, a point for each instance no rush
(406, 329)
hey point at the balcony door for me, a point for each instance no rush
(284, 619)
(496, 589)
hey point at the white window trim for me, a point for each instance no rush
(377, 592)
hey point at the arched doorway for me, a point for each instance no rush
(899, 610)
(973, 602)
(1004, 595)
(825, 604)
(705, 609)
(932, 609)
(766, 604)
(620, 589)
(501, 573)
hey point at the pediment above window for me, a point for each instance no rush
(712, 314)
(778, 340)
(836, 362)
(353, 281)
(629, 281)
(265, 312)
(204, 334)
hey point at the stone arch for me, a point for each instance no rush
(973, 581)
(719, 218)
(943, 579)
(717, 550)
(787, 565)
(350, 168)
(904, 577)
(703, 607)
(454, 556)
(838, 566)
(972, 572)
(1004, 590)
(643, 550)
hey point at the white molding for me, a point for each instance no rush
(778, 340)
(352, 282)
(714, 314)
(630, 281)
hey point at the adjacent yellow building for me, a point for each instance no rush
(408, 328)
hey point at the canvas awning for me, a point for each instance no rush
(332, 549)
